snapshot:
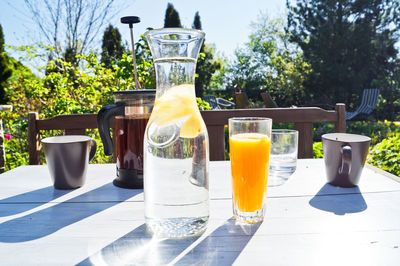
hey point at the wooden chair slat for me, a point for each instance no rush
(216, 137)
(75, 132)
(305, 146)
(73, 121)
(278, 115)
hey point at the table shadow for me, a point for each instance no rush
(54, 218)
(222, 246)
(29, 200)
(139, 247)
(339, 200)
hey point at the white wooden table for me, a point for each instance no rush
(307, 222)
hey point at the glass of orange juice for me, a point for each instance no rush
(249, 142)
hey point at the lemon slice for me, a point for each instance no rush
(179, 105)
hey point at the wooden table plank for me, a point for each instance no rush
(33, 184)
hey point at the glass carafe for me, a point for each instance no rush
(176, 152)
(131, 112)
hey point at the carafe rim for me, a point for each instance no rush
(195, 32)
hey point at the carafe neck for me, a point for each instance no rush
(175, 52)
(174, 72)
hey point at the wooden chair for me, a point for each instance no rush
(302, 117)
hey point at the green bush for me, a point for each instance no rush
(203, 105)
(376, 130)
(65, 89)
(386, 154)
(317, 150)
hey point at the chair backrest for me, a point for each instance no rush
(222, 103)
(302, 117)
(75, 124)
(268, 101)
(241, 100)
(212, 101)
(369, 101)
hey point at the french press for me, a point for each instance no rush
(131, 112)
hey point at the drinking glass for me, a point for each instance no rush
(283, 161)
(249, 142)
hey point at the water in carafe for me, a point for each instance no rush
(176, 141)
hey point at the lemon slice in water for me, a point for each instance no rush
(179, 104)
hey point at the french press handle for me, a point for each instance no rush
(103, 124)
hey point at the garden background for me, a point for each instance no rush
(319, 53)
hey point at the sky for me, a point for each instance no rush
(225, 22)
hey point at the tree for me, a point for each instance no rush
(349, 44)
(5, 70)
(70, 26)
(172, 19)
(196, 21)
(112, 48)
(206, 64)
(268, 61)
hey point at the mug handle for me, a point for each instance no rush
(93, 149)
(346, 160)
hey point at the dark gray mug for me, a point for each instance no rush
(344, 156)
(68, 158)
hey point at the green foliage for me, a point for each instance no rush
(144, 65)
(269, 61)
(377, 131)
(67, 89)
(203, 105)
(70, 56)
(217, 82)
(19, 70)
(14, 157)
(386, 154)
(5, 70)
(349, 45)
(172, 19)
(206, 66)
(1, 39)
(112, 48)
(388, 106)
(317, 150)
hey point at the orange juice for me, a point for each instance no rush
(249, 154)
